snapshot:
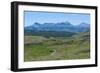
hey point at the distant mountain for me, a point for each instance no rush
(53, 26)
(84, 25)
(63, 28)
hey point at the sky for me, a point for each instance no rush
(30, 17)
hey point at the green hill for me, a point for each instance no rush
(39, 48)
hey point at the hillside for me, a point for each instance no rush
(49, 33)
(57, 48)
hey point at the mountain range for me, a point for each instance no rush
(63, 26)
(54, 29)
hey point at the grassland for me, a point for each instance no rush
(39, 48)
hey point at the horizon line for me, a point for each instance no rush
(58, 22)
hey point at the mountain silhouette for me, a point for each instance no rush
(63, 26)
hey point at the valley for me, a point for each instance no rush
(41, 48)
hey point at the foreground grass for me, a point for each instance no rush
(56, 48)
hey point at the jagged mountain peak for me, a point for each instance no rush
(83, 24)
(60, 26)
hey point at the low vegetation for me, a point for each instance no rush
(40, 48)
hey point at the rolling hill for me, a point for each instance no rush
(39, 48)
